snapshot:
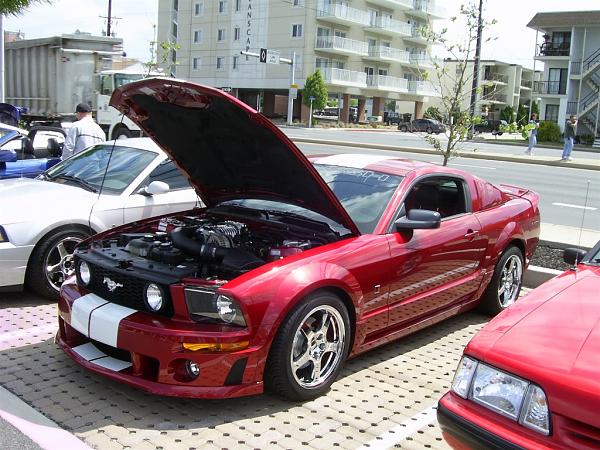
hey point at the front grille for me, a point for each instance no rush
(129, 290)
(585, 435)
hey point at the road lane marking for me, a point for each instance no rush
(568, 205)
(402, 431)
(476, 167)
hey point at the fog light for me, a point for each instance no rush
(193, 370)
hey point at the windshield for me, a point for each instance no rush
(125, 78)
(364, 194)
(89, 166)
(595, 258)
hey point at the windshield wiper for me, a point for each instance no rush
(79, 181)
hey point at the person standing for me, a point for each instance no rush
(83, 133)
(570, 130)
(533, 133)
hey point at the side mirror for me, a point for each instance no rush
(419, 219)
(156, 187)
(572, 256)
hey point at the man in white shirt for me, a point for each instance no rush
(83, 133)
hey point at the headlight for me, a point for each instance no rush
(153, 297)
(204, 305)
(504, 393)
(3, 236)
(85, 275)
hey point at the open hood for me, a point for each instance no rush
(227, 149)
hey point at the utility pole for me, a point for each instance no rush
(109, 19)
(475, 85)
(2, 97)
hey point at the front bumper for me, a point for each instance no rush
(145, 351)
(13, 263)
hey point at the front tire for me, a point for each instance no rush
(403, 128)
(309, 348)
(505, 286)
(429, 130)
(52, 261)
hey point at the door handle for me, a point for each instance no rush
(471, 234)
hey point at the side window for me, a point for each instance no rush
(168, 172)
(446, 195)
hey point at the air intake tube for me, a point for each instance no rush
(182, 239)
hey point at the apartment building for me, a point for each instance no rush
(568, 43)
(366, 50)
(501, 84)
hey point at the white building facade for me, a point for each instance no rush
(364, 49)
(569, 46)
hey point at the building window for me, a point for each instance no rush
(236, 63)
(221, 34)
(222, 6)
(236, 34)
(197, 36)
(552, 113)
(220, 62)
(198, 8)
(297, 30)
(298, 3)
(175, 5)
(174, 30)
(196, 63)
(238, 5)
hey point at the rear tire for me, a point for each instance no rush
(505, 285)
(403, 128)
(52, 261)
(429, 130)
(309, 349)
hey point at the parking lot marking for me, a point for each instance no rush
(568, 205)
(402, 431)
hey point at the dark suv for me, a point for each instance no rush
(490, 126)
(427, 125)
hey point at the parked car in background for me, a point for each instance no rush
(391, 118)
(427, 125)
(491, 126)
(28, 153)
(294, 265)
(43, 219)
(530, 378)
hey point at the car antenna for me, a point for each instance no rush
(585, 207)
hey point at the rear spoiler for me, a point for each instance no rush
(513, 190)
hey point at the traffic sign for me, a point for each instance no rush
(294, 92)
(272, 57)
(311, 98)
(263, 55)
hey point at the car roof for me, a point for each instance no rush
(380, 163)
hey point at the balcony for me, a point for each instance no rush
(550, 87)
(427, 8)
(549, 49)
(526, 84)
(387, 83)
(341, 46)
(420, 87)
(494, 98)
(495, 78)
(421, 60)
(393, 4)
(343, 77)
(343, 15)
(416, 36)
(382, 53)
(389, 27)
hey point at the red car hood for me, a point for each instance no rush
(552, 337)
(227, 149)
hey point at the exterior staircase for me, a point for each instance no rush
(588, 106)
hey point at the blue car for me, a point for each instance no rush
(29, 153)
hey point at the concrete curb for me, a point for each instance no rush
(487, 156)
(562, 245)
(535, 276)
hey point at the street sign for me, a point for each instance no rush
(225, 89)
(294, 93)
(311, 98)
(262, 57)
(272, 56)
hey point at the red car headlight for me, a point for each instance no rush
(205, 305)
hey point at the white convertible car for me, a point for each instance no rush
(43, 219)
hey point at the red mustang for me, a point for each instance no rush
(292, 267)
(531, 377)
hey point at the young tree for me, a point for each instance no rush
(522, 118)
(508, 114)
(433, 113)
(164, 58)
(315, 87)
(16, 7)
(454, 86)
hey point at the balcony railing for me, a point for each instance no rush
(344, 13)
(344, 77)
(342, 44)
(421, 60)
(526, 83)
(550, 87)
(402, 4)
(391, 25)
(571, 108)
(429, 7)
(383, 52)
(387, 83)
(421, 87)
(575, 67)
(495, 97)
(552, 49)
(496, 77)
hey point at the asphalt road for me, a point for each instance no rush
(562, 190)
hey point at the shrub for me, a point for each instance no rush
(548, 132)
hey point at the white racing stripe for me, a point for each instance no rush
(402, 431)
(356, 161)
(93, 354)
(81, 311)
(568, 205)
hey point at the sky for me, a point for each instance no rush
(514, 43)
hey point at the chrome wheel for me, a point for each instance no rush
(510, 281)
(318, 346)
(58, 263)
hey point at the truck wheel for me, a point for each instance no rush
(403, 128)
(52, 261)
(309, 348)
(505, 284)
(121, 133)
